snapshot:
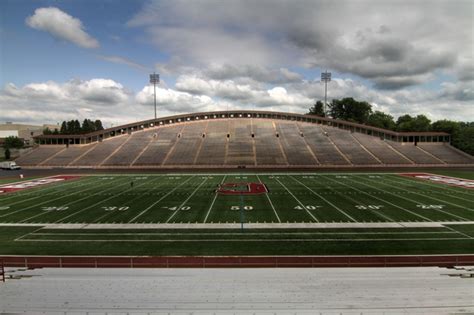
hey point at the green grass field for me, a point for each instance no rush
(324, 213)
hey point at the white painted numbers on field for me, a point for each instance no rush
(113, 208)
(183, 208)
(309, 207)
(4, 208)
(248, 208)
(54, 208)
(369, 207)
(430, 206)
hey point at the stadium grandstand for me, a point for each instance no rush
(245, 139)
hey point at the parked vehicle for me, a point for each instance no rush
(9, 165)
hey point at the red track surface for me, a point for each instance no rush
(236, 261)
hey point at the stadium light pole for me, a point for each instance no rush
(154, 78)
(326, 77)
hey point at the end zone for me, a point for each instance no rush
(14, 187)
(441, 179)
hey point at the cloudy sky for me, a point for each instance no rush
(64, 60)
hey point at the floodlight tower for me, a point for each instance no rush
(155, 79)
(326, 77)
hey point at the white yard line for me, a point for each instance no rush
(214, 200)
(27, 234)
(427, 196)
(45, 188)
(406, 180)
(459, 232)
(301, 204)
(42, 203)
(327, 201)
(187, 199)
(374, 197)
(388, 192)
(163, 197)
(270, 201)
(151, 182)
(73, 202)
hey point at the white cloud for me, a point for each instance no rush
(110, 101)
(61, 25)
(364, 38)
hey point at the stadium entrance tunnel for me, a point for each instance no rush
(242, 189)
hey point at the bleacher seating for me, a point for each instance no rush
(446, 153)
(38, 155)
(240, 144)
(101, 152)
(381, 150)
(414, 153)
(267, 144)
(296, 150)
(322, 147)
(66, 156)
(187, 145)
(163, 140)
(243, 142)
(214, 144)
(350, 147)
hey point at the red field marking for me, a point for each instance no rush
(8, 188)
(242, 189)
(446, 180)
(237, 261)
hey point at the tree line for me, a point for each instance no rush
(74, 127)
(462, 133)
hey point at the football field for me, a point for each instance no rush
(298, 212)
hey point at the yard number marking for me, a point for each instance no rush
(4, 208)
(430, 206)
(248, 208)
(184, 208)
(369, 207)
(309, 207)
(54, 208)
(115, 208)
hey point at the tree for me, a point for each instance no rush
(465, 138)
(63, 129)
(87, 126)
(381, 120)
(449, 126)
(98, 125)
(418, 123)
(317, 109)
(351, 110)
(47, 131)
(7, 153)
(13, 142)
(421, 123)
